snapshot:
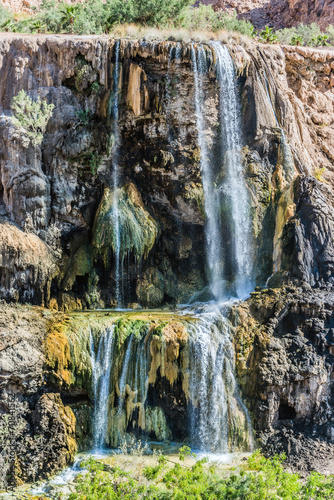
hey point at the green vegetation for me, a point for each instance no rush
(319, 172)
(139, 229)
(304, 34)
(127, 326)
(32, 115)
(115, 16)
(258, 479)
(268, 35)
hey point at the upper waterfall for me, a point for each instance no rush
(228, 223)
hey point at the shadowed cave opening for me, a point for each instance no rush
(286, 412)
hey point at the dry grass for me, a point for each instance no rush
(134, 32)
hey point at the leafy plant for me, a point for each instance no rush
(38, 27)
(32, 115)
(296, 40)
(8, 25)
(320, 40)
(185, 451)
(95, 87)
(68, 14)
(94, 163)
(84, 116)
(268, 35)
(318, 174)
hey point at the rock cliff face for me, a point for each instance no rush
(284, 355)
(278, 13)
(50, 193)
(58, 238)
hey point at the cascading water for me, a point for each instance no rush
(218, 416)
(124, 374)
(219, 421)
(213, 230)
(114, 112)
(230, 192)
(101, 370)
(234, 187)
(212, 382)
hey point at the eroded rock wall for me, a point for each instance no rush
(284, 352)
(52, 191)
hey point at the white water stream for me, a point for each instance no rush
(101, 367)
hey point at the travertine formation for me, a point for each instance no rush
(51, 192)
(57, 235)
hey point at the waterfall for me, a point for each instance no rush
(218, 413)
(219, 421)
(124, 374)
(101, 369)
(213, 230)
(230, 192)
(234, 187)
(114, 112)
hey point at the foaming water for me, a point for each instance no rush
(101, 369)
(218, 417)
(234, 187)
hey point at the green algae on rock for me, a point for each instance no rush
(139, 229)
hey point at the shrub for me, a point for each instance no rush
(264, 479)
(320, 40)
(268, 35)
(32, 115)
(304, 34)
(201, 18)
(231, 23)
(50, 16)
(159, 13)
(5, 17)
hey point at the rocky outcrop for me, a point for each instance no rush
(50, 387)
(278, 13)
(59, 240)
(37, 430)
(284, 352)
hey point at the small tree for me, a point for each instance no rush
(32, 115)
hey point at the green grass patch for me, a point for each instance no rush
(258, 479)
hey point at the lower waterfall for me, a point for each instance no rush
(168, 367)
(101, 371)
(213, 388)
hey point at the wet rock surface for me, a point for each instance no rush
(284, 356)
(52, 192)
